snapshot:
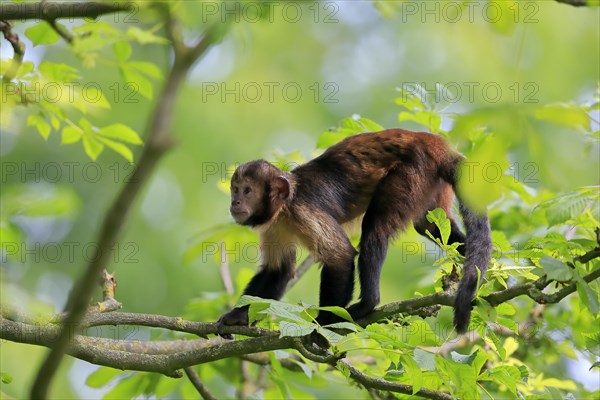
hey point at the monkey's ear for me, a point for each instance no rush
(281, 188)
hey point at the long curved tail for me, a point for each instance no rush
(478, 250)
(477, 257)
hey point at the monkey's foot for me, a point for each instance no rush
(316, 339)
(237, 316)
(361, 309)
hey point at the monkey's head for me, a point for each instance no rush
(258, 191)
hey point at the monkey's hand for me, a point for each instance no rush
(237, 316)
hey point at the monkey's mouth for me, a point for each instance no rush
(238, 215)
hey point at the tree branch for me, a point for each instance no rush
(381, 384)
(17, 46)
(193, 376)
(168, 357)
(50, 11)
(300, 271)
(574, 3)
(157, 143)
(62, 32)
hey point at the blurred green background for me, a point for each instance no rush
(346, 57)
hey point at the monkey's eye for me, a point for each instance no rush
(235, 190)
(247, 190)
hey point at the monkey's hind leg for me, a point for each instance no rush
(391, 208)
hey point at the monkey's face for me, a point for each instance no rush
(247, 200)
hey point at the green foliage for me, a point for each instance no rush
(567, 207)
(55, 93)
(348, 127)
(5, 378)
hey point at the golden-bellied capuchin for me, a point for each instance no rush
(389, 178)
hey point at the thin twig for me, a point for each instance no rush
(574, 3)
(381, 384)
(193, 376)
(18, 50)
(300, 271)
(62, 32)
(224, 271)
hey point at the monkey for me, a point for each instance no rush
(389, 179)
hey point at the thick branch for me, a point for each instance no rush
(164, 357)
(50, 11)
(168, 357)
(171, 323)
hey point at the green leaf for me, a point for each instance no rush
(122, 51)
(500, 242)
(505, 309)
(463, 358)
(595, 365)
(92, 147)
(462, 375)
(555, 269)
(570, 115)
(328, 139)
(71, 134)
(57, 71)
(305, 368)
(120, 132)
(428, 119)
(146, 68)
(5, 378)
(42, 34)
(293, 329)
(330, 335)
(505, 375)
(410, 101)
(588, 296)
(55, 122)
(102, 377)
(24, 69)
(491, 336)
(369, 125)
(425, 359)
(97, 27)
(144, 36)
(40, 123)
(276, 308)
(342, 325)
(439, 218)
(413, 372)
(142, 85)
(339, 311)
(592, 343)
(120, 148)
